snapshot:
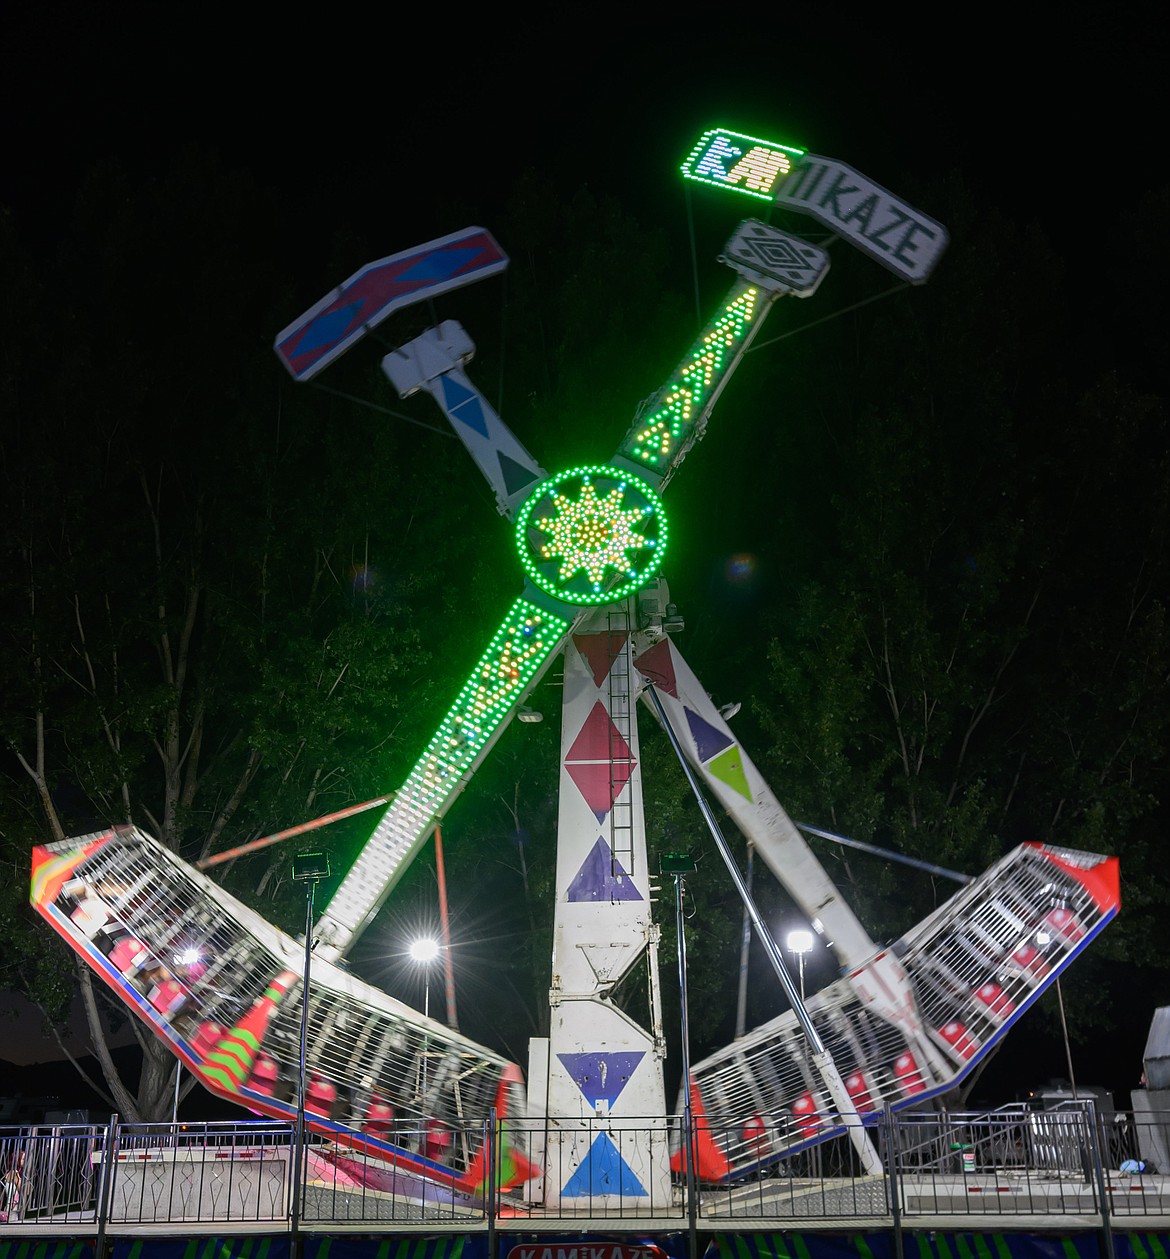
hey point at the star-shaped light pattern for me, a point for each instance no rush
(591, 535)
(656, 440)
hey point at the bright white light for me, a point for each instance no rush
(1043, 939)
(424, 950)
(187, 957)
(800, 941)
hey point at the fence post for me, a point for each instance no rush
(1096, 1146)
(106, 1174)
(893, 1190)
(491, 1136)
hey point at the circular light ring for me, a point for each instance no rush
(591, 535)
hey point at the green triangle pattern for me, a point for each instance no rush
(728, 768)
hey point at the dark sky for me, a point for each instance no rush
(389, 113)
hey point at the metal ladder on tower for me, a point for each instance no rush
(621, 753)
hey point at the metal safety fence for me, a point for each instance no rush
(1061, 1164)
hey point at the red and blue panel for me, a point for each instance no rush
(328, 329)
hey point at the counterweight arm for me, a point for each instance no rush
(730, 775)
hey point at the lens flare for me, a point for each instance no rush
(740, 569)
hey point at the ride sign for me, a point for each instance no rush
(584, 1248)
(887, 228)
(741, 163)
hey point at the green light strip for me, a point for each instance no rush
(519, 648)
(682, 404)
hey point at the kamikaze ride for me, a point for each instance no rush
(224, 988)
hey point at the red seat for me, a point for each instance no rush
(379, 1117)
(167, 996)
(998, 1003)
(265, 1076)
(755, 1136)
(436, 1140)
(804, 1110)
(129, 955)
(908, 1075)
(857, 1086)
(207, 1037)
(955, 1033)
(320, 1097)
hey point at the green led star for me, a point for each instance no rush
(591, 535)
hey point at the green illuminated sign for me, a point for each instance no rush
(742, 163)
(591, 535)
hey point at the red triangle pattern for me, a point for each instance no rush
(600, 651)
(657, 666)
(600, 784)
(599, 739)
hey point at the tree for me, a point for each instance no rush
(212, 627)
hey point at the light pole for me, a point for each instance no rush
(424, 950)
(308, 868)
(679, 865)
(800, 942)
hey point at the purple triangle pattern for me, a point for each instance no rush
(709, 741)
(600, 1076)
(602, 879)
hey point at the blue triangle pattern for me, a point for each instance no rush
(437, 265)
(327, 328)
(603, 1170)
(515, 475)
(463, 405)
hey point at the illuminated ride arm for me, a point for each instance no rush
(513, 664)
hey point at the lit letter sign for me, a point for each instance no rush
(741, 163)
(882, 225)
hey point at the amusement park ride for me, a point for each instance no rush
(224, 988)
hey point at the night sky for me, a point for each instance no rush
(379, 122)
(390, 115)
